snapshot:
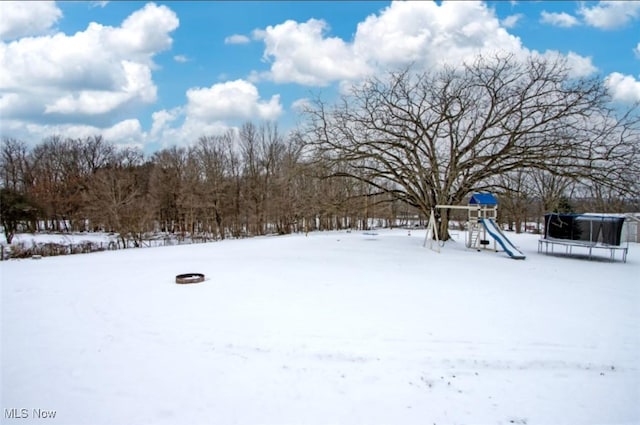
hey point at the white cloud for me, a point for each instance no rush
(14, 104)
(22, 18)
(144, 33)
(580, 66)
(577, 66)
(512, 20)
(181, 58)
(404, 33)
(99, 3)
(92, 102)
(609, 15)
(189, 132)
(637, 50)
(623, 88)
(162, 119)
(255, 76)
(301, 104)
(300, 53)
(237, 99)
(421, 34)
(124, 133)
(237, 39)
(176, 127)
(128, 132)
(427, 34)
(92, 72)
(558, 19)
(212, 110)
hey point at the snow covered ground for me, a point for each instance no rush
(30, 239)
(333, 328)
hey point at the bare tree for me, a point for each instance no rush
(14, 165)
(168, 186)
(261, 149)
(117, 196)
(516, 197)
(96, 153)
(48, 162)
(287, 204)
(433, 137)
(212, 155)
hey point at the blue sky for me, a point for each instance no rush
(156, 74)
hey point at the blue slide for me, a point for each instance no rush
(505, 243)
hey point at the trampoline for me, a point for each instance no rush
(586, 231)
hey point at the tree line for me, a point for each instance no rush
(391, 148)
(254, 181)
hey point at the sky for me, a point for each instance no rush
(160, 74)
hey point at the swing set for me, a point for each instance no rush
(482, 212)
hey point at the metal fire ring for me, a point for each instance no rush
(190, 278)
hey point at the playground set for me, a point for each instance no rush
(482, 211)
(588, 231)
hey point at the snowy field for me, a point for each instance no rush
(333, 328)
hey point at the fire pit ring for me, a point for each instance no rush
(190, 278)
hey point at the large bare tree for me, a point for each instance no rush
(433, 137)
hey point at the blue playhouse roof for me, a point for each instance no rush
(483, 199)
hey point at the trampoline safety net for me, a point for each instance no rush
(592, 229)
